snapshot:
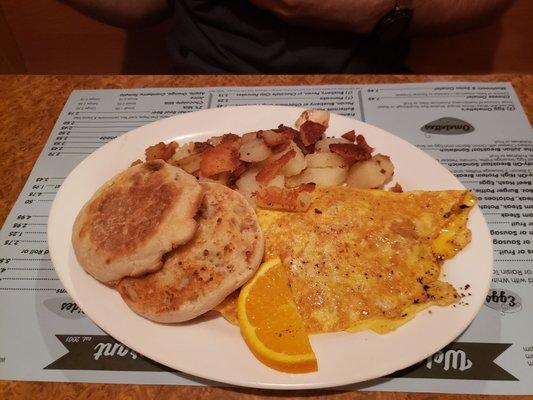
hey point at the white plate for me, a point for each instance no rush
(213, 348)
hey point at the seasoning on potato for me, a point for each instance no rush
(276, 167)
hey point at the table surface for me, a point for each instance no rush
(29, 107)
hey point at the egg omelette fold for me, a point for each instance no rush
(366, 259)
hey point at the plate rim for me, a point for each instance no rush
(254, 108)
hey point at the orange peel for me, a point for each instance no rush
(271, 325)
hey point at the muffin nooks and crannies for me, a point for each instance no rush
(223, 254)
(134, 219)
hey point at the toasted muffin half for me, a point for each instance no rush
(134, 219)
(223, 254)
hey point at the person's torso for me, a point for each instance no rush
(234, 36)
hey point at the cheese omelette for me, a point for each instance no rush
(366, 259)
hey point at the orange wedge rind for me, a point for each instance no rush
(270, 322)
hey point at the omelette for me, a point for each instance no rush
(366, 259)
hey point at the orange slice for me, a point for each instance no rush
(270, 322)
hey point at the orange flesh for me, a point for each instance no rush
(277, 322)
(271, 325)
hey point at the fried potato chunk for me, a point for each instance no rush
(161, 151)
(295, 199)
(311, 132)
(223, 157)
(269, 171)
(350, 152)
(276, 137)
(361, 142)
(350, 135)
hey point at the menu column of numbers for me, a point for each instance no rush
(90, 119)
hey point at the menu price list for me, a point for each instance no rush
(478, 131)
(503, 184)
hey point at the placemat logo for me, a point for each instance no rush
(101, 353)
(503, 300)
(64, 307)
(461, 361)
(447, 126)
(455, 359)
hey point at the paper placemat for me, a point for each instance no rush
(478, 130)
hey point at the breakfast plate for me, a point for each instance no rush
(211, 348)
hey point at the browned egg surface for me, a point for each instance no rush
(361, 259)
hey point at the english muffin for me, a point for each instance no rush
(223, 254)
(134, 219)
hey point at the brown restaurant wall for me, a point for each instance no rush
(48, 37)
